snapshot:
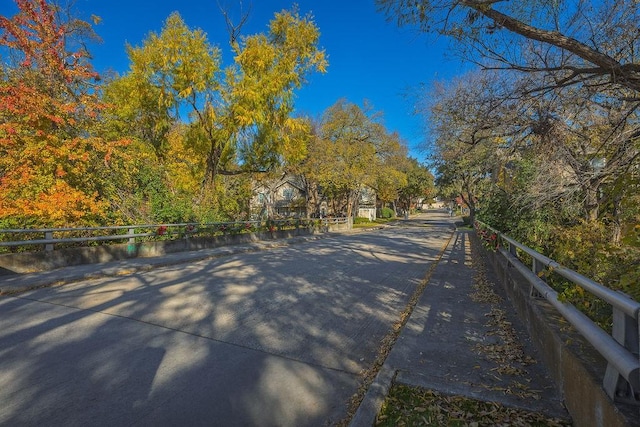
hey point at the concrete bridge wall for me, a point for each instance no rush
(29, 262)
(577, 368)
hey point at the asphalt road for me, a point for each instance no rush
(276, 337)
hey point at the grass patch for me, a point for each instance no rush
(366, 225)
(374, 223)
(415, 406)
(383, 220)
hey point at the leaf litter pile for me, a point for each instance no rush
(507, 353)
(415, 406)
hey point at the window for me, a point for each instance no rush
(287, 193)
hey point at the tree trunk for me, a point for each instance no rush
(591, 205)
(469, 200)
(616, 232)
(312, 204)
(350, 199)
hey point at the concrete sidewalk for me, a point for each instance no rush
(465, 340)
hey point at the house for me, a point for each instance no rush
(283, 197)
(367, 203)
(287, 196)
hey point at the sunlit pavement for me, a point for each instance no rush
(276, 337)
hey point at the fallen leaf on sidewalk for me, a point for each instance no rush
(415, 406)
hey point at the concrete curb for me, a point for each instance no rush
(370, 406)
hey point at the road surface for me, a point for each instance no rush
(277, 337)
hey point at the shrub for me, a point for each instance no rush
(361, 220)
(387, 213)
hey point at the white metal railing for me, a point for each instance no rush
(50, 237)
(621, 349)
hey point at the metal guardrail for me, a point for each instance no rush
(49, 237)
(621, 349)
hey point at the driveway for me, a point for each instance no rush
(277, 337)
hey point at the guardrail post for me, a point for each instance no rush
(48, 235)
(131, 245)
(187, 237)
(538, 269)
(513, 252)
(626, 331)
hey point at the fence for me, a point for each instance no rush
(621, 348)
(50, 238)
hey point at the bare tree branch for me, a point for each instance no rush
(234, 30)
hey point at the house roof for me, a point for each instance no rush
(274, 184)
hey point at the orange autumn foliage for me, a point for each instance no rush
(51, 163)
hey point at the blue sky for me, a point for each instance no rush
(369, 58)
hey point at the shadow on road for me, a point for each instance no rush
(277, 337)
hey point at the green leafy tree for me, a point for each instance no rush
(349, 152)
(420, 183)
(392, 168)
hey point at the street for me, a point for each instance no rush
(276, 337)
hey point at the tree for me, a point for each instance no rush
(553, 157)
(303, 168)
(585, 148)
(352, 149)
(54, 169)
(463, 172)
(566, 43)
(474, 125)
(570, 53)
(420, 183)
(174, 70)
(391, 171)
(239, 117)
